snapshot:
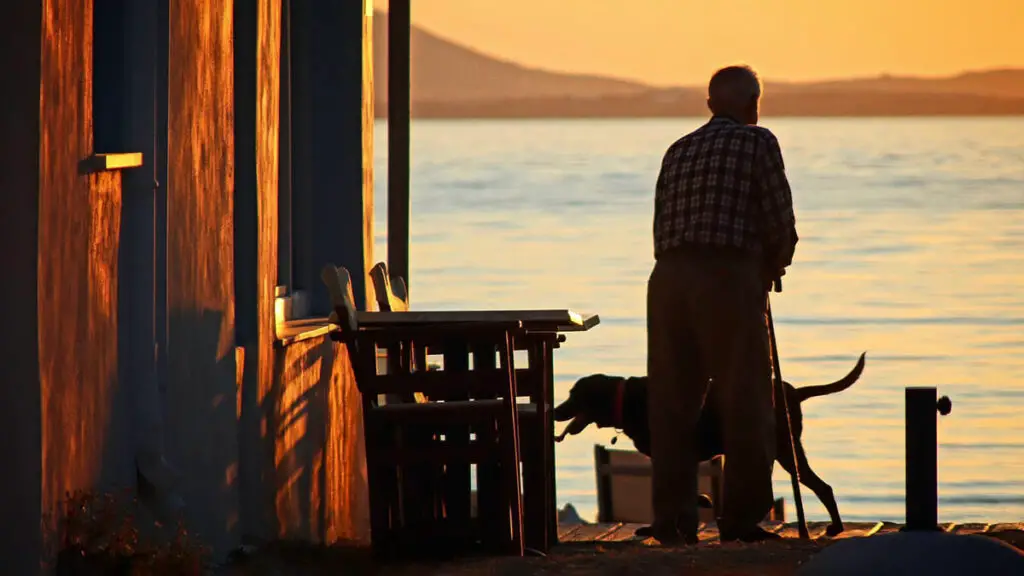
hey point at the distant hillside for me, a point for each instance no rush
(444, 71)
(994, 83)
(691, 103)
(453, 81)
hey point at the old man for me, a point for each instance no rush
(724, 228)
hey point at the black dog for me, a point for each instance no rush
(621, 403)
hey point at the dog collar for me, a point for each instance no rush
(618, 406)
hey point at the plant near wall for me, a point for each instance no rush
(99, 534)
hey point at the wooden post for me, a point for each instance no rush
(21, 541)
(399, 107)
(922, 492)
(257, 61)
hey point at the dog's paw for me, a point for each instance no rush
(834, 530)
(704, 501)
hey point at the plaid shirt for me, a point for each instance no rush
(725, 184)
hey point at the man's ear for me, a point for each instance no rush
(753, 109)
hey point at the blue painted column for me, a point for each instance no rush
(332, 145)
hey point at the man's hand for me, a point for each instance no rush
(778, 256)
(773, 278)
(777, 284)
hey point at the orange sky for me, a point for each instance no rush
(683, 41)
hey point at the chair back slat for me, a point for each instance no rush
(339, 286)
(400, 291)
(390, 290)
(399, 358)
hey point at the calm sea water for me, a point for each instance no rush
(912, 248)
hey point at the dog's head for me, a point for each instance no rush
(591, 401)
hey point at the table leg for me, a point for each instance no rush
(534, 458)
(539, 471)
(549, 439)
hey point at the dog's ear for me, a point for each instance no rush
(566, 410)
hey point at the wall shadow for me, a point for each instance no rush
(201, 425)
(314, 434)
(297, 416)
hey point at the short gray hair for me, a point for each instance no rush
(734, 85)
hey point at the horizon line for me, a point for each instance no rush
(823, 80)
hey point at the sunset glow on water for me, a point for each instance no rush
(912, 249)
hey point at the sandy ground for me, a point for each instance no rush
(619, 558)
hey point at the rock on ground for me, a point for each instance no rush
(931, 553)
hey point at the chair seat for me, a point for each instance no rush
(446, 406)
(438, 453)
(453, 412)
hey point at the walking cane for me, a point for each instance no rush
(781, 390)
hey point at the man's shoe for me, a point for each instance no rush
(667, 537)
(755, 534)
(643, 532)
(675, 538)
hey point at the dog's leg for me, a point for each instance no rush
(811, 480)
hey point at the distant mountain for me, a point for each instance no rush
(1006, 83)
(453, 81)
(446, 72)
(691, 103)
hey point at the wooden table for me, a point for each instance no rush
(533, 320)
(544, 330)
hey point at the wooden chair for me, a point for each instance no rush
(392, 296)
(410, 436)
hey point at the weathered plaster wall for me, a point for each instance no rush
(300, 423)
(62, 230)
(314, 416)
(199, 401)
(312, 465)
(79, 225)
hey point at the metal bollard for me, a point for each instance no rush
(922, 491)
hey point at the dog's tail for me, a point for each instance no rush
(837, 386)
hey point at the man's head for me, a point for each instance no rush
(735, 91)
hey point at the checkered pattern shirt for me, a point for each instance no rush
(725, 185)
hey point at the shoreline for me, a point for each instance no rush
(535, 117)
